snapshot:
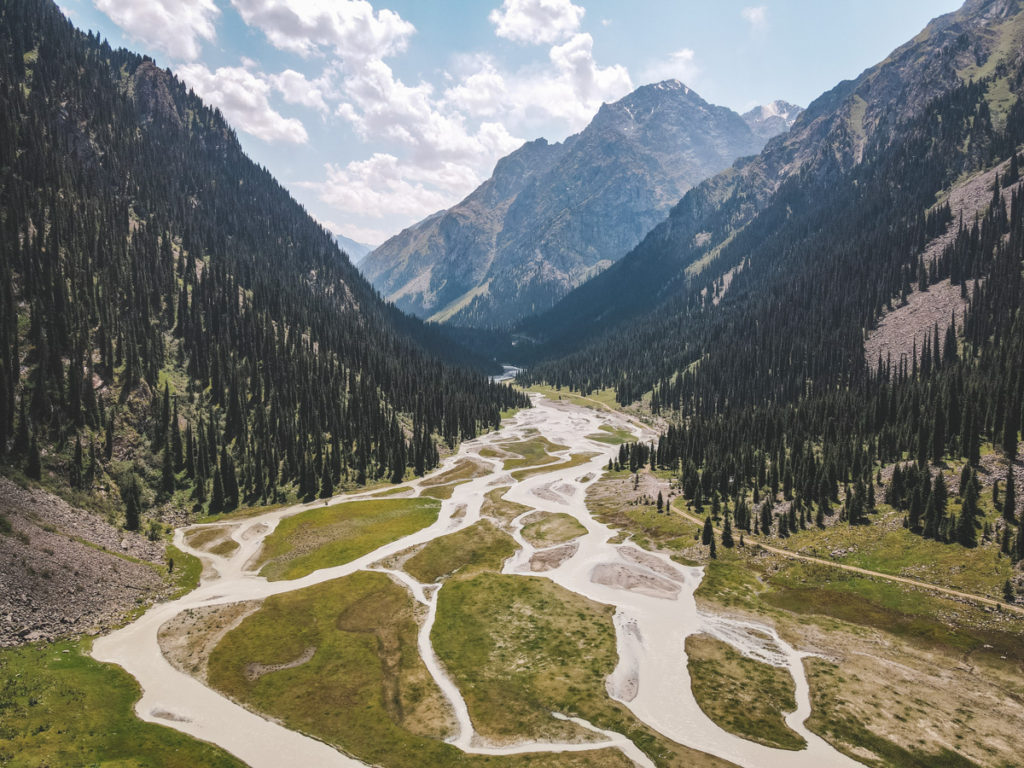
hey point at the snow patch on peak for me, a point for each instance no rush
(773, 118)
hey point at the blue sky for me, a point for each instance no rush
(376, 114)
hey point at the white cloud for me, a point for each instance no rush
(380, 105)
(348, 28)
(756, 16)
(295, 88)
(172, 26)
(536, 21)
(385, 189)
(481, 91)
(591, 84)
(680, 65)
(569, 91)
(433, 146)
(243, 97)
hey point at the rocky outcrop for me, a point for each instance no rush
(65, 571)
(553, 215)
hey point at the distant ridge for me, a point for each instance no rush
(356, 251)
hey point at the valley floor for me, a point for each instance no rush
(523, 607)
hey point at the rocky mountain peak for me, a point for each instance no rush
(771, 119)
(552, 215)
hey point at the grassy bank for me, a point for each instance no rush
(58, 707)
(365, 688)
(481, 546)
(338, 534)
(520, 648)
(744, 696)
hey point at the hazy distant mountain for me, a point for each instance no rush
(772, 119)
(356, 251)
(553, 215)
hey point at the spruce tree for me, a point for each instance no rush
(217, 494)
(34, 464)
(77, 465)
(935, 511)
(326, 482)
(1011, 426)
(766, 518)
(916, 510)
(131, 495)
(727, 540)
(707, 534)
(967, 523)
(1010, 497)
(167, 479)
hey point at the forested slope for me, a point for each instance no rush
(174, 328)
(704, 235)
(765, 380)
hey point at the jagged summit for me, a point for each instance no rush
(771, 119)
(553, 214)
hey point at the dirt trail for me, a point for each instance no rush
(865, 572)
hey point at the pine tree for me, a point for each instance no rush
(707, 534)
(108, 439)
(935, 511)
(938, 437)
(326, 482)
(661, 503)
(177, 451)
(916, 510)
(217, 494)
(131, 495)
(77, 465)
(229, 479)
(766, 518)
(92, 470)
(1011, 426)
(727, 540)
(1010, 497)
(713, 551)
(167, 478)
(34, 464)
(967, 523)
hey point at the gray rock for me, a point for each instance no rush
(553, 215)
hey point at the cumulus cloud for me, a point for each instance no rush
(680, 65)
(591, 84)
(172, 26)
(385, 189)
(348, 28)
(756, 16)
(433, 145)
(380, 105)
(243, 97)
(570, 90)
(295, 88)
(536, 21)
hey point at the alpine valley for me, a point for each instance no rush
(690, 440)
